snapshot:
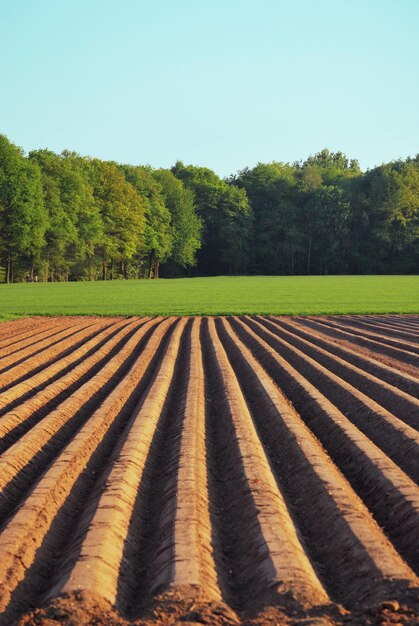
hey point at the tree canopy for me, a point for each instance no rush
(68, 217)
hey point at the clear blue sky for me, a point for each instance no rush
(221, 83)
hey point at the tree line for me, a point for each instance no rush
(67, 217)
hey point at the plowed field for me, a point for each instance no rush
(258, 470)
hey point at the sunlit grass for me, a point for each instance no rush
(222, 295)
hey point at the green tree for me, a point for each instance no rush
(158, 237)
(325, 181)
(227, 218)
(334, 167)
(388, 198)
(186, 225)
(23, 219)
(326, 219)
(122, 210)
(66, 216)
(75, 226)
(273, 193)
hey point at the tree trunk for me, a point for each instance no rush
(104, 270)
(90, 271)
(46, 270)
(9, 270)
(156, 269)
(150, 264)
(309, 256)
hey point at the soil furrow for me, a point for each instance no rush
(97, 570)
(24, 461)
(399, 440)
(405, 321)
(360, 384)
(354, 559)
(13, 360)
(42, 393)
(242, 470)
(261, 557)
(386, 354)
(404, 382)
(167, 550)
(14, 345)
(18, 330)
(400, 349)
(357, 327)
(22, 539)
(387, 322)
(193, 557)
(386, 490)
(377, 328)
(33, 365)
(52, 380)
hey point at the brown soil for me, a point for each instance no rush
(252, 470)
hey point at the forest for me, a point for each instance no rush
(68, 217)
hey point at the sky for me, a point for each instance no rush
(219, 83)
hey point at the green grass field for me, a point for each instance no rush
(223, 295)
